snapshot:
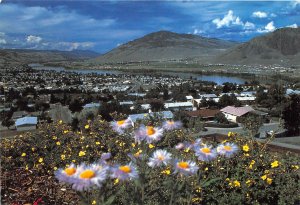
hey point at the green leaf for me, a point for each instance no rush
(110, 200)
(209, 182)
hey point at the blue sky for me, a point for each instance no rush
(103, 25)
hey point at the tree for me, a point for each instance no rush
(74, 124)
(220, 118)
(252, 123)
(156, 105)
(7, 122)
(291, 115)
(227, 100)
(75, 106)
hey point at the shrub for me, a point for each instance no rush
(250, 175)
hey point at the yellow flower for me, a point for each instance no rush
(55, 168)
(236, 183)
(267, 171)
(97, 143)
(248, 182)
(246, 148)
(274, 164)
(26, 167)
(151, 146)
(63, 157)
(166, 172)
(116, 181)
(86, 126)
(206, 168)
(54, 137)
(33, 149)
(230, 134)
(23, 154)
(74, 160)
(60, 122)
(186, 150)
(246, 155)
(94, 202)
(58, 143)
(198, 189)
(81, 153)
(121, 144)
(41, 159)
(251, 164)
(295, 167)
(132, 145)
(197, 199)
(264, 177)
(66, 131)
(269, 180)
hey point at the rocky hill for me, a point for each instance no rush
(164, 46)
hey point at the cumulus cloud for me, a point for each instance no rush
(231, 20)
(295, 3)
(33, 39)
(293, 26)
(3, 41)
(260, 14)
(197, 31)
(268, 28)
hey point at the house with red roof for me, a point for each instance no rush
(233, 113)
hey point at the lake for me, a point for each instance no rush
(217, 78)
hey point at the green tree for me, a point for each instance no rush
(252, 123)
(291, 115)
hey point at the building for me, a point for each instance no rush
(91, 105)
(26, 123)
(176, 106)
(233, 113)
(204, 114)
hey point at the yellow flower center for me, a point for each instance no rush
(227, 148)
(87, 174)
(70, 171)
(205, 150)
(183, 165)
(120, 122)
(125, 169)
(150, 130)
(170, 122)
(161, 157)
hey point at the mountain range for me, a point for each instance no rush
(281, 46)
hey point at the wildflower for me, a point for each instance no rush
(166, 172)
(97, 143)
(105, 156)
(236, 183)
(186, 167)
(179, 146)
(251, 164)
(133, 145)
(86, 126)
(41, 159)
(89, 176)
(120, 125)
(23, 154)
(205, 153)
(264, 177)
(149, 133)
(171, 125)
(60, 122)
(159, 157)
(63, 157)
(81, 153)
(248, 182)
(230, 134)
(33, 149)
(66, 175)
(54, 137)
(274, 164)
(116, 181)
(126, 172)
(58, 143)
(94, 202)
(246, 148)
(55, 168)
(151, 146)
(269, 181)
(295, 167)
(228, 149)
(66, 131)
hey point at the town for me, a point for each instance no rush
(30, 97)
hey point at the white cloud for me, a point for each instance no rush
(260, 14)
(293, 26)
(33, 39)
(295, 3)
(273, 15)
(227, 20)
(197, 31)
(248, 25)
(2, 41)
(69, 46)
(268, 28)
(231, 20)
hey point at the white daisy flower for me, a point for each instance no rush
(159, 157)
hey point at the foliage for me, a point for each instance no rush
(291, 115)
(254, 175)
(252, 123)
